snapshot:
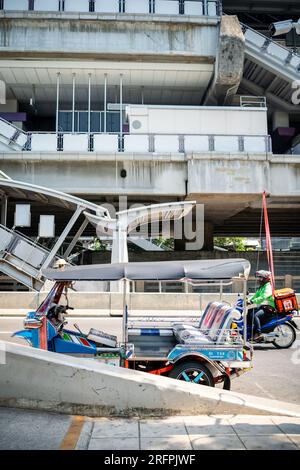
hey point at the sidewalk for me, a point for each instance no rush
(22, 429)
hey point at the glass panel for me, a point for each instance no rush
(95, 121)
(83, 121)
(65, 121)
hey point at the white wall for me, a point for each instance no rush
(46, 5)
(166, 7)
(15, 4)
(77, 5)
(197, 120)
(11, 106)
(193, 8)
(104, 6)
(137, 6)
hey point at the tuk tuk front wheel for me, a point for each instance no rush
(193, 372)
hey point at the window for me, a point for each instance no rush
(31, 5)
(92, 6)
(61, 5)
(1, 4)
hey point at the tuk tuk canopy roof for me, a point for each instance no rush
(154, 271)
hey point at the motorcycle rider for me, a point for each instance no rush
(264, 299)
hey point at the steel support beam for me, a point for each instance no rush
(75, 239)
(62, 237)
(4, 201)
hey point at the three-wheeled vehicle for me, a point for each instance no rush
(206, 349)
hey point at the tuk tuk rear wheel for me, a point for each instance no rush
(193, 372)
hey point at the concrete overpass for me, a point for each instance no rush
(230, 185)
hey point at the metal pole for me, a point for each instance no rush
(142, 95)
(73, 103)
(125, 311)
(89, 105)
(57, 98)
(105, 101)
(205, 7)
(221, 291)
(245, 311)
(121, 105)
(4, 210)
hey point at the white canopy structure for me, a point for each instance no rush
(128, 221)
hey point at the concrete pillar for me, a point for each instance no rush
(237, 286)
(288, 281)
(139, 286)
(280, 119)
(208, 237)
(181, 244)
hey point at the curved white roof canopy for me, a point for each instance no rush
(155, 271)
(31, 192)
(138, 216)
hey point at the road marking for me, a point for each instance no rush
(265, 391)
(73, 434)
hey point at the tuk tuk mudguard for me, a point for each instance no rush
(213, 366)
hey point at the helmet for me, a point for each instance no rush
(263, 276)
(60, 264)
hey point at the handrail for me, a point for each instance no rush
(264, 49)
(12, 125)
(271, 40)
(25, 238)
(122, 8)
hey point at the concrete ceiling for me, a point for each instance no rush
(158, 83)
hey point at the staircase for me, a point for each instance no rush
(270, 69)
(12, 137)
(145, 245)
(21, 258)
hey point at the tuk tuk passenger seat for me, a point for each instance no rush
(217, 318)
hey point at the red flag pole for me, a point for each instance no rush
(269, 241)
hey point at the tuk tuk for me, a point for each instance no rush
(206, 349)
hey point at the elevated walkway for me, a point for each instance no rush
(270, 69)
(12, 137)
(21, 258)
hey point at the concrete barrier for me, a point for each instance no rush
(37, 379)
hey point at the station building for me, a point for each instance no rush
(156, 101)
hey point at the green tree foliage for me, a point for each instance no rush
(232, 243)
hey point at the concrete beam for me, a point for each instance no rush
(37, 379)
(105, 36)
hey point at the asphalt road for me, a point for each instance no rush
(276, 373)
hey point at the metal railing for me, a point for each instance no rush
(286, 56)
(29, 249)
(158, 143)
(15, 133)
(165, 7)
(253, 101)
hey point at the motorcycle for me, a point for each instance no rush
(277, 328)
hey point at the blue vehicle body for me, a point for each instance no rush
(68, 342)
